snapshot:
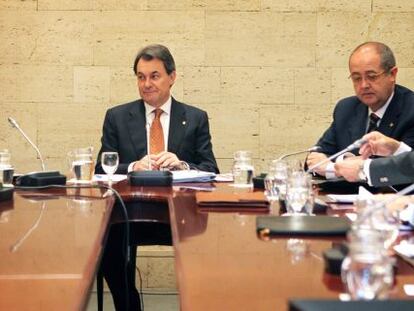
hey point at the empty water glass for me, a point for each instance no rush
(243, 169)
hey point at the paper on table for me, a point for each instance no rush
(104, 178)
(192, 176)
(350, 198)
(405, 248)
(224, 177)
(342, 198)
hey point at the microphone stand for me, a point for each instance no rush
(37, 178)
(315, 148)
(16, 125)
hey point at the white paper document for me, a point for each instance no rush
(192, 176)
(342, 198)
(104, 178)
(405, 248)
(350, 198)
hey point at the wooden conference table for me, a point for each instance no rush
(50, 248)
(222, 264)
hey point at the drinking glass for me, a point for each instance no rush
(299, 194)
(367, 271)
(6, 169)
(373, 214)
(109, 162)
(243, 169)
(81, 164)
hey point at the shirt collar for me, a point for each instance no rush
(166, 107)
(380, 112)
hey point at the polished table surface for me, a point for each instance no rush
(50, 246)
(222, 264)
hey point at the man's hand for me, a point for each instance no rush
(144, 163)
(168, 160)
(314, 158)
(349, 168)
(378, 144)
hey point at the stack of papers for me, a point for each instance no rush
(192, 176)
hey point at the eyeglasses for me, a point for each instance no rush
(370, 77)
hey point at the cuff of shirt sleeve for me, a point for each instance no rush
(365, 168)
(402, 148)
(330, 171)
(131, 166)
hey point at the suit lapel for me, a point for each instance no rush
(389, 120)
(358, 125)
(178, 124)
(136, 128)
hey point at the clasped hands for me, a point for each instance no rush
(160, 161)
(349, 167)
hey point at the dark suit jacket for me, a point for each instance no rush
(350, 121)
(189, 135)
(392, 170)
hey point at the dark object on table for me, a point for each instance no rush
(302, 225)
(258, 181)
(150, 178)
(6, 194)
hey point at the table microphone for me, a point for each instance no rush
(16, 125)
(356, 144)
(42, 178)
(312, 149)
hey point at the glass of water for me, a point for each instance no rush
(81, 164)
(367, 271)
(6, 169)
(373, 214)
(109, 162)
(243, 169)
(299, 194)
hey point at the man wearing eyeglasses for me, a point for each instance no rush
(379, 105)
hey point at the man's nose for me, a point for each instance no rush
(147, 83)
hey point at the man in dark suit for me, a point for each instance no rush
(379, 105)
(158, 132)
(185, 128)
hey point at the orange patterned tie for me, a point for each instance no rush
(157, 134)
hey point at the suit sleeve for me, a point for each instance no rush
(109, 142)
(392, 170)
(204, 157)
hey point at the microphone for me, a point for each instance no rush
(312, 149)
(355, 145)
(16, 125)
(42, 178)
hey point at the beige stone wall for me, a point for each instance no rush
(267, 71)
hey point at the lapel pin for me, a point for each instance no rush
(184, 122)
(391, 124)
